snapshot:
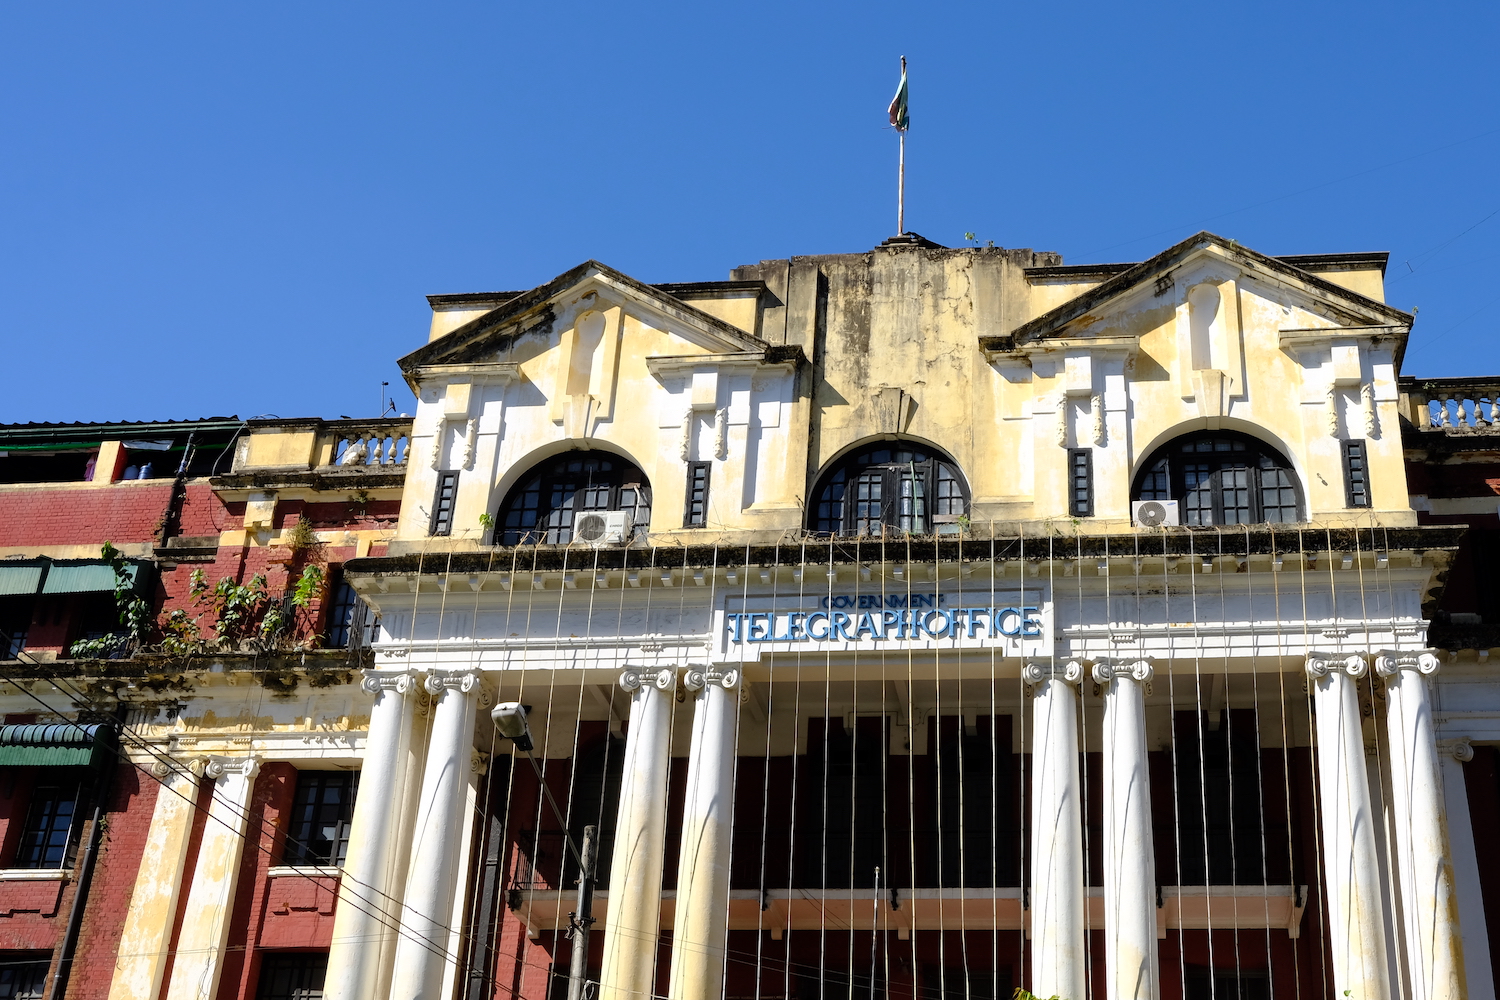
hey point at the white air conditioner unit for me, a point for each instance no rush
(1154, 513)
(602, 527)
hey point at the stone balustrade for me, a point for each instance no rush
(1452, 405)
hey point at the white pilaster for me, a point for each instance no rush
(205, 920)
(422, 952)
(147, 934)
(369, 906)
(699, 933)
(1351, 868)
(1059, 939)
(640, 840)
(1130, 958)
(1434, 944)
(1452, 756)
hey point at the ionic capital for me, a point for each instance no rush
(1123, 670)
(438, 681)
(632, 679)
(1460, 750)
(396, 681)
(1320, 665)
(217, 767)
(1389, 662)
(1037, 671)
(184, 767)
(700, 678)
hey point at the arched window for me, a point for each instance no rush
(540, 509)
(889, 487)
(1220, 477)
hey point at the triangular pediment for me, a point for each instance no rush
(547, 309)
(1164, 278)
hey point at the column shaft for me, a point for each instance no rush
(699, 932)
(1130, 957)
(369, 907)
(147, 934)
(1434, 945)
(640, 841)
(1059, 938)
(205, 919)
(422, 953)
(1351, 868)
(1453, 755)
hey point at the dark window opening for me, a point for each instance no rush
(1222, 478)
(351, 622)
(1219, 984)
(47, 835)
(844, 807)
(23, 977)
(695, 513)
(890, 488)
(322, 812)
(540, 510)
(1081, 482)
(15, 623)
(442, 503)
(965, 984)
(292, 975)
(1356, 475)
(1222, 821)
(972, 803)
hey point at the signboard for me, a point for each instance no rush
(1015, 623)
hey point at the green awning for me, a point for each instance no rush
(19, 579)
(86, 577)
(62, 745)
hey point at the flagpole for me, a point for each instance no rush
(901, 190)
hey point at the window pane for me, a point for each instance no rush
(292, 976)
(49, 822)
(867, 490)
(322, 810)
(23, 980)
(542, 511)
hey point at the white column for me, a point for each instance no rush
(1130, 959)
(640, 840)
(1059, 939)
(699, 932)
(1434, 944)
(147, 935)
(370, 888)
(1452, 755)
(422, 953)
(205, 919)
(1351, 867)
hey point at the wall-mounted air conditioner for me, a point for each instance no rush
(602, 527)
(1154, 513)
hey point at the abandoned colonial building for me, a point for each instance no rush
(921, 622)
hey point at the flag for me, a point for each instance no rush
(900, 120)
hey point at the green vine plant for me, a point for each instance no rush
(242, 617)
(1024, 994)
(134, 616)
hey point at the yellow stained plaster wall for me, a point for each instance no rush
(278, 447)
(894, 338)
(740, 310)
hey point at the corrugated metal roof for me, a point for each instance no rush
(85, 578)
(65, 745)
(19, 579)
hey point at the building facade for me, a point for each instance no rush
(923, 622)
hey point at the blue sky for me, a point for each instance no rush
(238, 208)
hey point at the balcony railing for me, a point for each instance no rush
(368, 443)
(1452, 405)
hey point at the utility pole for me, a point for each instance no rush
(582, 918)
